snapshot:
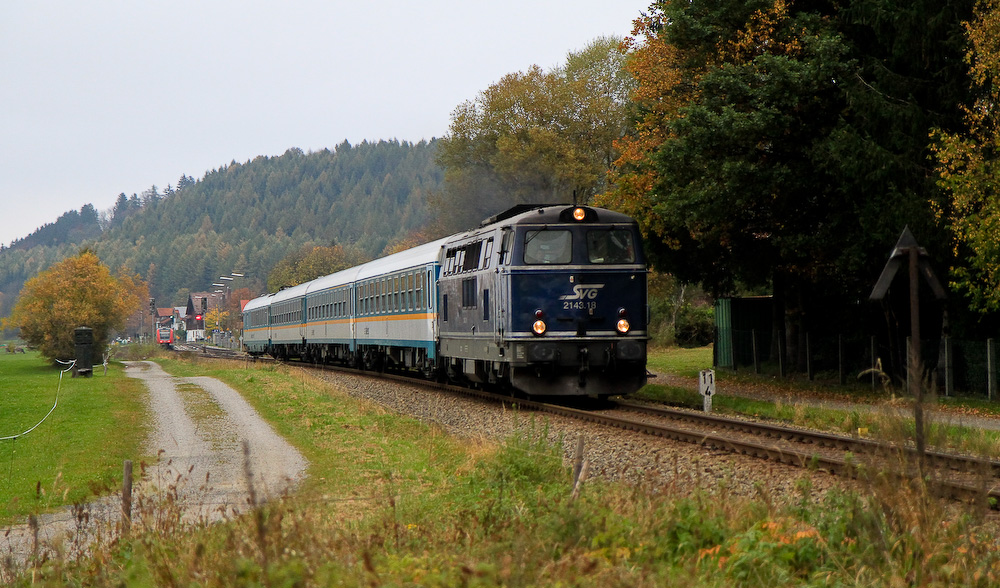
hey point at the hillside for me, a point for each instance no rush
(243, 216)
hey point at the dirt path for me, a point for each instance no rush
(201, 427)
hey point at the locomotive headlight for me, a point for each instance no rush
(623, 326)
(579, 214)
(538, 327)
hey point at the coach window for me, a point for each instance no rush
(419, 291)
(397, 294)
(548, 247)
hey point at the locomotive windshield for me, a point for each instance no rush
(547, 247)
(610, 246)
(603, 246)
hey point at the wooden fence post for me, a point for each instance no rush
(756, 352)
(127, 498)
(580, 467)
(781, 353)
(840, 359)
(991, 369)
(949, 368)
(809, 358)
(874, 360)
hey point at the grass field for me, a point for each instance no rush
(680, 361)
(78, 450)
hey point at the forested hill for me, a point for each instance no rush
(244, 217)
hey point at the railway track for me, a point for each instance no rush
(949, 475)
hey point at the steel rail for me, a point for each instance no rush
(961, 463)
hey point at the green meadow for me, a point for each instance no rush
(77, 451)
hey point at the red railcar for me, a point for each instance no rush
(165, 336)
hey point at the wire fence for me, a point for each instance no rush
(957, 367)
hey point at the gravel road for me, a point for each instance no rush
(201, 458)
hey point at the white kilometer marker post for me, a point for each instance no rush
(706, 386)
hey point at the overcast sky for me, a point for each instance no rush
(99, 98)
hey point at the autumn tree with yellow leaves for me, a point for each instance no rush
(79, 291)
(969, 169)
(534, 137)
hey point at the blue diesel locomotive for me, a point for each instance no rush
(544, 300)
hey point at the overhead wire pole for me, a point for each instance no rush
(225, 282)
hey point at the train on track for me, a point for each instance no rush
(165, 337)
(538, 300)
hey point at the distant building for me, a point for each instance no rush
(198, 304)
(180, 316)
(165, 318)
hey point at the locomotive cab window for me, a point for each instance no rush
(548, 247)
(610, 246)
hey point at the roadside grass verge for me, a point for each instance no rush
(77, 452)
(396, 502)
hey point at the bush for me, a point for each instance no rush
(695, 326)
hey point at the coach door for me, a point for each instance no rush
(501, 298)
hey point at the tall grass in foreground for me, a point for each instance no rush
(394, 502)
